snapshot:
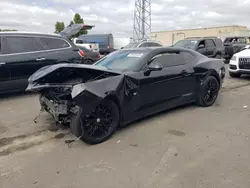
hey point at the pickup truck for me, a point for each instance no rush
(209, 46)
(90, 46)
(234, 44)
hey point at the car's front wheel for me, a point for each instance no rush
(234, 75)
(98, 126)
(209, 91)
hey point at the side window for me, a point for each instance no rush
(53, 43)
(173, 59)
(219, 43)
(201, 44)
(79, 42)
(145, 44)
(241, 41)
(210, 43)
(153, 44)
(20, 44)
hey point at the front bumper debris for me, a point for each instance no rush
(62, 111)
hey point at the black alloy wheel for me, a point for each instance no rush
(208, 92)
(97, 126)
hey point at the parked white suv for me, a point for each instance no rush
(240, 63)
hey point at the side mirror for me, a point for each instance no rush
(155, 66)
(201, 46)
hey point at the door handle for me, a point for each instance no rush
(41, 59)
(2, 63)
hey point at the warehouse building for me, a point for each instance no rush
(171, 37)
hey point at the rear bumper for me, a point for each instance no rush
(106, 50)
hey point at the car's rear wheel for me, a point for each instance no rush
(234, 75)
(98, 126)
(209, 91)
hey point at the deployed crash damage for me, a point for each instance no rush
(124, 86)
(64, 88)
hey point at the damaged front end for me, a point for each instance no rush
(59, 103)
(64, 88)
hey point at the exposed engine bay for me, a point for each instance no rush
(58, 101)
(65, 89)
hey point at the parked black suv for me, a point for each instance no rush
(208, 46)
(235, 44)
(22, 54)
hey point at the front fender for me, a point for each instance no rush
(88, 95)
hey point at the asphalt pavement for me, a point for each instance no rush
(187, 147)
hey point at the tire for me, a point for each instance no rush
(209, 91)
(218, 56)
(88, 62)
(80, 124)
(234, 75)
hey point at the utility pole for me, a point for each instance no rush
(142, 20)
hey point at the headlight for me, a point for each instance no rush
(233, 58)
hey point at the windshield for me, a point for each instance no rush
(186, 44)
(121, 60)
(132, 45)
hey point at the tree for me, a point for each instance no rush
(59, 27)
(79, 20)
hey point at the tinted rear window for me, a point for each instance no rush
(53, 43)
(186, 44)
(218, 42)
(153, 44)
(79, 42)
(173, 59)
(18, 44)
(103, 41)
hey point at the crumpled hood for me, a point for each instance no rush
(51, 74)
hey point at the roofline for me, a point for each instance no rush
(28, 32)
(199, 28)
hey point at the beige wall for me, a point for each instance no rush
(170, 37)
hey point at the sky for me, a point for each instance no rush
(116, 16)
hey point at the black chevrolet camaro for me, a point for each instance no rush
(124, 86)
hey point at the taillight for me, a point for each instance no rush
(81, 53)
(107, 46)
(90, 46)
